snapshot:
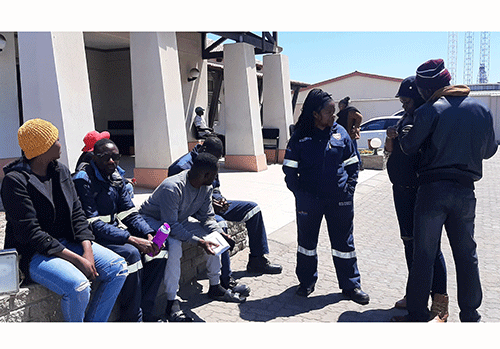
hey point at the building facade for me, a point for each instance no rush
(141, 88)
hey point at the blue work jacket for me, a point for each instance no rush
(107, 203)
(324, 164)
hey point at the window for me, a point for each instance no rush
(373, 125)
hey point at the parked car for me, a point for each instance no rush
(376, 128)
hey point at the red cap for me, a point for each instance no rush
(92, 137)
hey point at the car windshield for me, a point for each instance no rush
(373, 125)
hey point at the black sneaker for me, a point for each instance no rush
(357, 295)
(233, 285)
(261, 264)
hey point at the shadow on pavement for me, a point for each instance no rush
(286, 304)
(373, 315)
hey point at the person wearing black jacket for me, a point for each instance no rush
(46, 225)
(402, 171)
(454, 134)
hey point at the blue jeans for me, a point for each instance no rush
(404, 203)
(63, 278)
(453, 205)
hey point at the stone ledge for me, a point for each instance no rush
(35, 303)
(373, 162)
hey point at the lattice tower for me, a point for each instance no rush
(468, 57)
(452, 56)
(484, 58)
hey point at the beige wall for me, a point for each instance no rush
(9, 111)
(194, 93)
(362, 90)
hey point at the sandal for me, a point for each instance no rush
(179, 316)
(221, 294)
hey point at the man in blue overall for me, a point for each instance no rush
(117, 225)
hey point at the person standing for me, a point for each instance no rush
(401, 169)
(454, 133)
(321, 169)
(47, 226)
(350, 118)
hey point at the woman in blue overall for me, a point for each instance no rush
(321, 169)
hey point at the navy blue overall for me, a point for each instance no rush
(113, 218)
(321, 170)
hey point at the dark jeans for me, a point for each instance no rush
(137, 297)
(453, 205)
(248, 212)
(404, 203)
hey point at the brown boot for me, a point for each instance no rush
(439, 308)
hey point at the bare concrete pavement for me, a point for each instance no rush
(380, 259)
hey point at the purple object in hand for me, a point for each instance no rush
(161, 236)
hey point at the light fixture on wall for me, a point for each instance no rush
(3, 42)
(193, 74)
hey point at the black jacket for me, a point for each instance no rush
(454, 133)
(30, 212)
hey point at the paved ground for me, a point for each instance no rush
(380, 258)
(379, 250)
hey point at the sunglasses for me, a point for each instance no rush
(107, 157)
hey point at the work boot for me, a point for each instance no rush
(401, 304)
(439, 308)
(357, 296)
(260, 264)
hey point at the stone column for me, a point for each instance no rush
(9, 106)
(55, 86)
(277, 99)
(160, 136)
(244, 147)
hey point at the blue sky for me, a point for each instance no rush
(323, 39)
(318, 56)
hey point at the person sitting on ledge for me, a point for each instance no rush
(118, 225)
(177, 198)
(234, 211)
(47, 227)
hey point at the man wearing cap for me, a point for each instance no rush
(118, 226)
(454, 133)
(89, 140)
(202, 130)
(402, 171)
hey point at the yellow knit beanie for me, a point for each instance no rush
(36, 136)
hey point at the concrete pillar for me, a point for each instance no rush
(159, 130)
(194, 92)
(277, 99)
(244, 147)
(9, 106)
(55, 86)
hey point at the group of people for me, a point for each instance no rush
(72, 229)
(435, 155)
